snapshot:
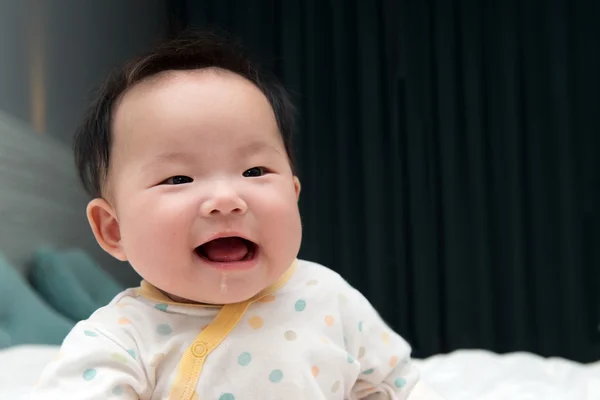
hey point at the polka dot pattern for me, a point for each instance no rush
(256, 322)
(300, 305)
(400, 382)
(385, 337)
(89, 374)
(164, 329)
(369, 371)
(315, 371)
(118, 358)
(361, 352)
(266, 317)
(276, 376)
(335, 387)
(244, 359)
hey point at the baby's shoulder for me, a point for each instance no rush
(127, 314)
(315, 273)
(314, 277)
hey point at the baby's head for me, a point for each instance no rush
(187, 155)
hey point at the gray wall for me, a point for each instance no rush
(53, 53)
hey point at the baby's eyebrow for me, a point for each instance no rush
(256, 147)
(167, 157)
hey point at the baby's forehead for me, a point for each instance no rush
(182, 110)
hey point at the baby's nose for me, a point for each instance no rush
(223, 203)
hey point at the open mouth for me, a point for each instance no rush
(227, 250)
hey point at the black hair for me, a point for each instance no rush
(193, 50)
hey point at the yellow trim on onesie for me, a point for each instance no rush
(192, 361)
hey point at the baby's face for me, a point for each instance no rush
(197, 155)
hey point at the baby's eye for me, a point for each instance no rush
(254, 172)
(178, 180)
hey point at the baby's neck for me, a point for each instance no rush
(178, 299)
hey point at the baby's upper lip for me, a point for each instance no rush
(225, 234)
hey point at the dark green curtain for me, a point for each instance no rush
(447, 151)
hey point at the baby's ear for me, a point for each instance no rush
(104, 223)
(297, 187)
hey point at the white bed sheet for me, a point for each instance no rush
(462, 375)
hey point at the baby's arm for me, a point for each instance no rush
(386, 368)
(94, 364)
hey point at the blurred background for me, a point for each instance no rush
(448, 149)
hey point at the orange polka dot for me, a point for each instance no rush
(329, 320)
(256, 322)
(124, 321)
(315, 371)
(267, 299)
(385, 337)
(393, 361)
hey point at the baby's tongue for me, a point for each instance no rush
(226, 249)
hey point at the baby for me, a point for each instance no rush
(187, 154)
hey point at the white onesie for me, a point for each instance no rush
(310, 336)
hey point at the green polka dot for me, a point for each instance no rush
(276, 376)
(300, 305)
(117, 391)
(164, 329)
(161, 307)
(400, 382)
(119, 358)
(227, 396)
(350, 359)
(132, 353)
(90, 333)
(360, 326)
(89, 374)
(369, 371)
(244, 359)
